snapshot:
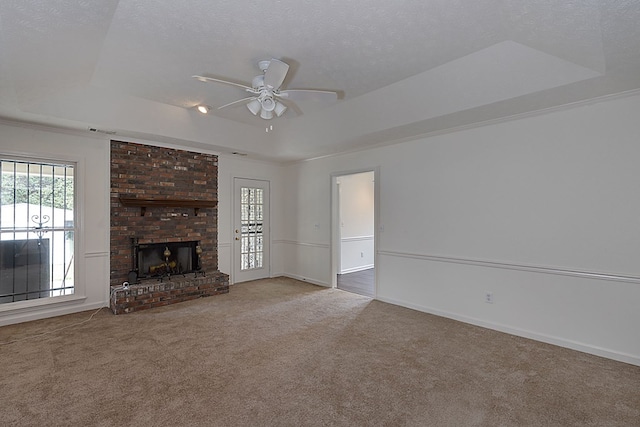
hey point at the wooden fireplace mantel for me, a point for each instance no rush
(144, 202)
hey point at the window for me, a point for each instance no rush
(37, 229)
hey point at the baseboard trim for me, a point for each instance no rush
(356, 269)
(549, 339)
(43, 313)
(306, 279)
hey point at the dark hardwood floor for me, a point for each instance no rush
(360, 282)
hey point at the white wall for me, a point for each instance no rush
(307, 236)
(92, 186)
(542, 212)
(356, 200)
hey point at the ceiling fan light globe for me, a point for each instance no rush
(254, 106)
(203, 109)
(267, 115)
(268, 103)
(280, 109)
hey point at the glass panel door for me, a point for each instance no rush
(251, 231)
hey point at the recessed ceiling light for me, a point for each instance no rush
(204, 109)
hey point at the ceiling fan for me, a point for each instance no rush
(266, 91)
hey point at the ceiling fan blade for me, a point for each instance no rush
(211, 79)
(308, 95)
(275, 74)
(251, 98)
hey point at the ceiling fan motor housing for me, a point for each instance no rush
(258, 82)
(263, 65)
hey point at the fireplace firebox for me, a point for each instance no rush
(163, 260)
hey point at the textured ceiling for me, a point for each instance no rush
(398, 65)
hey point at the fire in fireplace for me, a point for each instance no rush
(160, 260)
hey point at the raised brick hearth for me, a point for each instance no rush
(162, 196)
(152, 293)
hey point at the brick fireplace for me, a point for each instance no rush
(166, 198)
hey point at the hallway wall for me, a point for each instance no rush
(356, 221)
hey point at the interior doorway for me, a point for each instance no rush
(354, 232)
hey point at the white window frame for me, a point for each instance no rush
(78, 247)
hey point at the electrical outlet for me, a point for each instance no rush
(488, 297)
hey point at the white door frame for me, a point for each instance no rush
(335, 222)
(265, 271)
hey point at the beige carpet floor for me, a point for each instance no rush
(284, 353)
